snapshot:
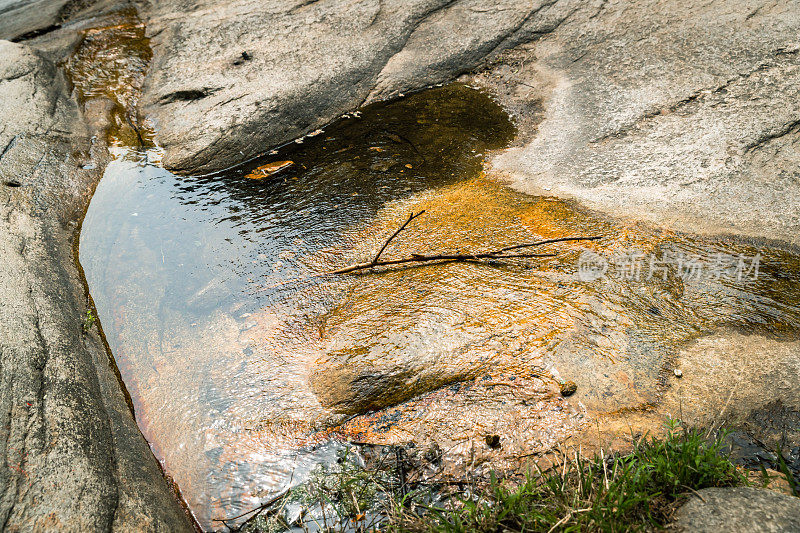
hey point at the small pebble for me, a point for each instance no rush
(493, 441)
(678, 373)
(568, 388)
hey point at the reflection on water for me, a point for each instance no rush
(246, 362)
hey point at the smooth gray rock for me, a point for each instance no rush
(739, 510)
(19, 18)
(230, 80)
(72, 456)
(683, 114)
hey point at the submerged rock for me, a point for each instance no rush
(493, 441)
(568, 388)
(686, 116)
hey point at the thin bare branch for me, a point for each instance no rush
(255, 511)
(548, 241)
(411, 217)
(501, 253)
(418, 258)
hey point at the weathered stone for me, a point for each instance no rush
(22, 18)
(568, 388)
(687, 116)
(73, 459)
(684, 115)
(739, 510)
(228, 81)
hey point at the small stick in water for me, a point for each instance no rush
(502, 253)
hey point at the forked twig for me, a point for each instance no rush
(501, 253)
(411, 217)
(418, 258)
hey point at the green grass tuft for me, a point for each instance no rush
(635, 492)
(783, 468)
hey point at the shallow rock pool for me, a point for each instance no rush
(247, 361)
